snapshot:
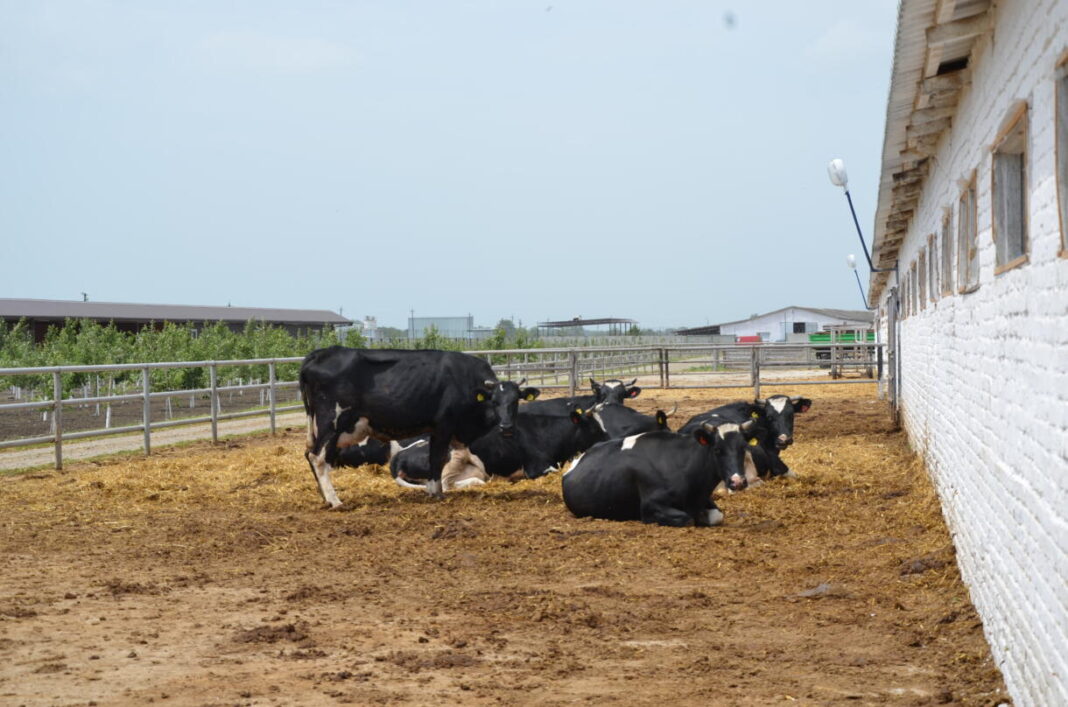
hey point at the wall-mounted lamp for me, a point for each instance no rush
(837, 172)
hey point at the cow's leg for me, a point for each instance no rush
(323, 443)
(439, 457)
(708, 516)
(658, 508)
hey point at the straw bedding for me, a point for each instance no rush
(211, 575)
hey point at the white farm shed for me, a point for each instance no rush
(973, 211)
(783, 324)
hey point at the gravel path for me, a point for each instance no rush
(87, 449)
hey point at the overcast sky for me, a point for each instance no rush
(664, 161)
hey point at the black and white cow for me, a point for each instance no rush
(369, 451)
(612, 391)
(659, 477)
(350, 394)
(775, 428)
(619, 421)
(540, 444)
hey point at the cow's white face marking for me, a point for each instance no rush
(727, 428)
(612, 384)
(574, 464)
(629, 442)
(778, 404)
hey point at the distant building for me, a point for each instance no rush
(786, 324)
(448, 327)
(41, 314)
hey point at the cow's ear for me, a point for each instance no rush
(703, 437)
(529, 394)
(595, 386)
(801, 404)
(661, 419)
(575, 415)
(634, 391)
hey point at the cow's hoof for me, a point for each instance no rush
(338, 507)
(713, 516)
(790, 475)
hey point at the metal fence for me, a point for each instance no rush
(678, 366)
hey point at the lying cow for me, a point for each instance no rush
(369, 451)
(351, 394)
(619, 421)
(541, 443)
(775, 421)
(610, 392)
(659, 477)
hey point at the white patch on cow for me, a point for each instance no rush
(778, 403)
(612, 384)
(462, 467)
(322, 478)
(404, 483)
(433, 488)
(465, 483)
(629, 442)
(751, 475)
(309, 443)
(726, 428)
(337, 412)
(358, 435)
(790, 474)
(597, 417)
(574, 463)
(713, 516)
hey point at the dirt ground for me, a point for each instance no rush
(212, 576)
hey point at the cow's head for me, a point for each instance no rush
(500, 401)
(614, 391)
(777, 413)
(728, 442)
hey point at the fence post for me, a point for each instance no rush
(754, 371)
(213, 376)
(270, 393)
(146, 409)
(57, 415)
(573, 374)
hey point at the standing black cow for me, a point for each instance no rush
(659, 477)
(350, 394)
(542, 441)
(775, 421)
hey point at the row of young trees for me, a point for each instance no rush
(85, 342)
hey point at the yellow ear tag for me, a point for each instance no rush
(754, 415)
(530, 396)
(481, 397)
(753, 442)
(578, 410)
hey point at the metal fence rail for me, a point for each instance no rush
(669, 366)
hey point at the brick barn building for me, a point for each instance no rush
(973, 208)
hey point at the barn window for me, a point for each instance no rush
(1062, 153)
(967, 242)
(914, 289)
(922, 271)
(947, 254)
(1010, 195)
(932, 270)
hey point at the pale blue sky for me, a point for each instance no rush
(538, 159)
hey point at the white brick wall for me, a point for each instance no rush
(985, 375)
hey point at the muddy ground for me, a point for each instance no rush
(212, 576)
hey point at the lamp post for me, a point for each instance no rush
(837, 172)
(851, 261)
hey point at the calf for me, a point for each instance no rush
(659, 477)
(775, 422)
(350, 394)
